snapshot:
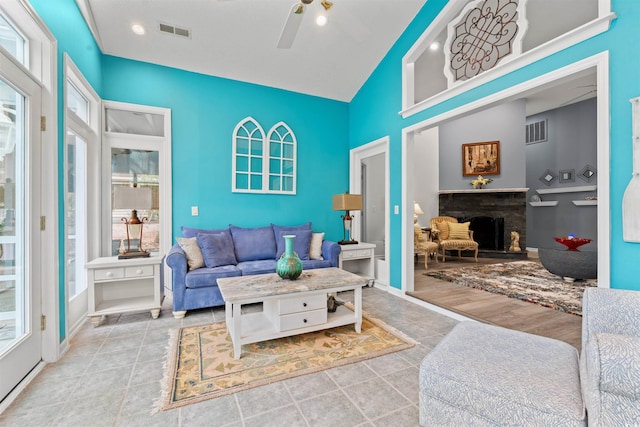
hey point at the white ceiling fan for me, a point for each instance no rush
(294, 19)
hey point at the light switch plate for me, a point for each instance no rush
(194, 211)
(396, 209)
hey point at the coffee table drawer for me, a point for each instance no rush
(304, 319)
(304, 303)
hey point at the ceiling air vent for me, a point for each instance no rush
(536, 132)
(170, 29)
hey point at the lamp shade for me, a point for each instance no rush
(347, 202)
(417, 209)
(132, 197)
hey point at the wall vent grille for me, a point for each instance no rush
(536, 132)
(170, 29)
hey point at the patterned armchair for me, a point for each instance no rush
(451, 235)
(423, 246)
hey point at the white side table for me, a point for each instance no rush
(358, 259)
(124, 285)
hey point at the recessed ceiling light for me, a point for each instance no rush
(321, 20)
(434, 46)
(138, 29)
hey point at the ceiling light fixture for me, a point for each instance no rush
(434, 46)
(321, 20)
(138, 29)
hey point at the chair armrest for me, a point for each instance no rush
(613, 311)
(331, 251)
(611, 379)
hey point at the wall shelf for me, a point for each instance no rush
(541, 204)
(585, 202)
(583, 188)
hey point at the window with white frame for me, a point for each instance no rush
(474, 41)
(264, 163)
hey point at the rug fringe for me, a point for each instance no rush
(164, 402)
(168, 366)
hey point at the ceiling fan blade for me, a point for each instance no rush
(290, 29)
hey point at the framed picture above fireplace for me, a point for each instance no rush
(481, 158)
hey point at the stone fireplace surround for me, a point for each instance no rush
(506, 203)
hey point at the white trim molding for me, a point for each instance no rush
(599, 62)
(508, 65)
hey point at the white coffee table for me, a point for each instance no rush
(290, 307)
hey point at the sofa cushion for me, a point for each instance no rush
(193, 232)
(192, 251)
(207, 277)
(217, 249)
(253, 243)
(293, 228)
(257, 267)
(315, 248)
(310, 264)
(301, 243)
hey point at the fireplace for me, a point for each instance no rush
(487, 231)
(493, 213)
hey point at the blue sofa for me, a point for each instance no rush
(248, 251)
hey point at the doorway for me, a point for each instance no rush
(20, 189)
(597, 63)
(370, 177)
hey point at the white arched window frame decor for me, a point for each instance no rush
(282, 159)
(263, 163)
(431, 39)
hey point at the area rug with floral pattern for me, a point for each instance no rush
(525, 280)
(200, 363)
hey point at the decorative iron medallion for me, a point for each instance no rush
(483, 37)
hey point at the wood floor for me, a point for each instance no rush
(492, 308)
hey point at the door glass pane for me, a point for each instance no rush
(13, 307)
(131, 167)
(134, 122)
(12, 41)
(77, 103)
(75, 221)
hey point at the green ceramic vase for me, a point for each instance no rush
(289, 265)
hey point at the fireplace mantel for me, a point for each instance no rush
(485, 190)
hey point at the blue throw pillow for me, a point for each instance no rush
(193, 232)
(253, 244)
(217, 249)
(292, 228)
(301, 243)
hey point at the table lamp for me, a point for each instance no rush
(347, 202)
(132, 198)
(417, 210)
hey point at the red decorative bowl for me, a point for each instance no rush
(572, 244)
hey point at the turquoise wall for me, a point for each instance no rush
(374, 113)
(73, 38)
(205, 111)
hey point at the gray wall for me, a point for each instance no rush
(504, 123)
(571, 145)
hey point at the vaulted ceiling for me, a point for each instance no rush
(237, 39)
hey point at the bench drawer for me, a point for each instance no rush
(304, 319)
(304, 303)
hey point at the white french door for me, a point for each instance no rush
(20, 169)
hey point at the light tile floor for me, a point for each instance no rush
(111, 376)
